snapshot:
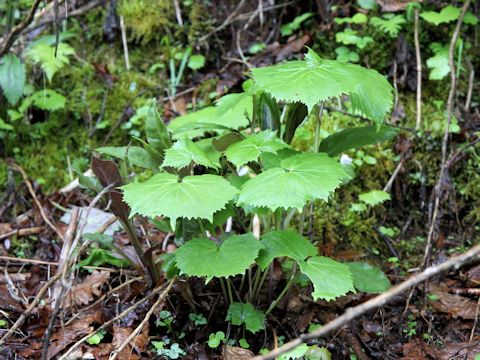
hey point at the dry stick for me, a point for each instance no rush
(168, 286)
(30, 261)
(124, 42)
(161, 298)
(389, 184)
(227, 21)
(419, 71)
(35, 199)
(437, 190)
(30, 308)
(178, 12)
(471, 78)
(18, 29)
(353, 313)
(23, 232)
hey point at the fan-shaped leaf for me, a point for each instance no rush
(253, 146)
(353, 138)
(329, 277)
(50, 61)
(232, 112)
(203, 257)
(191, 197)
(284, 243)
(184, 151)
(299, 178)
(367, 278)
(390, 23)
(374, 197)
(315, 80)
(244, 313)
(12, 78)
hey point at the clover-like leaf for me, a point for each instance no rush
(315, 79)
(253, 146)
(284, 243)
(300, 178)
(329, 277)
(184, 151)
(356, 137)
(203, 257)
(368, 278)
(191, 197)
(244, 313)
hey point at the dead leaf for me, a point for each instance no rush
(236, 353)
(455, 305)
(393, 5)
(462, 350)
(84, 293)
(138, 344)
(65, 335)
(414, 350)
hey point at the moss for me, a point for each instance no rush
(147, 19)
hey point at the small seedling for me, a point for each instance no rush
(174, 352)
(197, 319)
(215, 339)
(165, 319)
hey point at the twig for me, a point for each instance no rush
(178, 12)
(389, 184)
(438, 189)
(12, 35)
(124, 42)
(419, 71)
(472, 332)
(161, 298)
(35, 199)
(165, 288)
(23, 232)
(30, 261)
(30, 308)
(357, 311)
(471, 78)
(227, 22)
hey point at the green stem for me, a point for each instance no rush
(260, 285)
(318, 111)
(284, 291)
(256, 279)
(229, 290)
(224, 291)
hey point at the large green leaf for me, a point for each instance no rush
(300, 178)
(367, 278)
(136, 155)
(12, 78)
(253, 146)
(203, 257)
(244, 313)
(329, 277)
(46, 99)
(356, 137)
(234, 116)
(191, 197)
(184, 151)
(374, 197)
(284, 243)
(315, 79)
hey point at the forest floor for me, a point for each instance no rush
(49, 307)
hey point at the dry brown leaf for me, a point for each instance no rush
(393, 5)
(64, 336)
(455, 305)
(462, 350)
(138, 344)
(236, 353)
(84, 293)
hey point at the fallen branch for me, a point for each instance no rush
(164, 289)
(12, 35)
(23, 232)
(357, 311)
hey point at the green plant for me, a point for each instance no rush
(389, 23)
(50, 58)
(214, 339)
(12, 78)
(172, 352)
(289, 28)
(196, 185)
(197, 319)
(411, 329)
(97, 337)
(165, 319)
